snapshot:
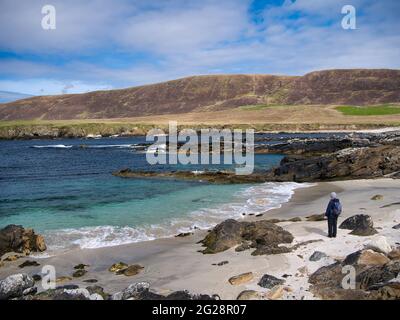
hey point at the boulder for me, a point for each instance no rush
(327, 281)
(230, 233)
(379, 244)
(15, 286)
(80, 266)
(394, 254)
(364, 232)
(91, 280)
(131, 270)
(370, 257)
(316, 217)
(220, 263)
(276, 293)
(135, 290)
(268, 281)
(99, 291)
(29, 263)
(15, 238)
(358, 221)
(241, 278)
(317, 255)
(79, 273)
(117, 267)
(377, 274)
(250, 295)
(397, 226)
(185, 295)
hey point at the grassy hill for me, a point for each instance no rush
(215, 93)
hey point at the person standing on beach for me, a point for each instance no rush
(333, 211)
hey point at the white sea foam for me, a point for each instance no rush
(61, 146)
(253, 200)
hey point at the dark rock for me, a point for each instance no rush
(361, 221)
(230, 233)
(117, 267)
(378, 274)
(79, 273)
(316, 217)
(15, 286)
(131, 270)
(37, 277)
(68, 287)
(15, 238)
(364, 232)
(81, 266)
(352, 163)
(220, 263)
(243, 247)
(99, 290)
(185, 295)
(183, 234)
(397, 226)
(29, 263)
(267, 250)
(295, 219)
(268, 281)
(327, 281)
(259, 215)
(91, 280)
(317, 255)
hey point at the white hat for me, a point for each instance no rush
(333, 195)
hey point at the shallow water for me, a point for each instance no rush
(67, 192)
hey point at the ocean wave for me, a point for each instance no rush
(252, 200)
(60, 146)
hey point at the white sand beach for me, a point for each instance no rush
(175, 263)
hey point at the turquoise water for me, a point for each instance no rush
(68, 193)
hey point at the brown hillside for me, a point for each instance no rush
(219, 92)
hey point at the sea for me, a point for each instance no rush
(65, 190)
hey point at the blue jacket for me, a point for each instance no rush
(329, 209)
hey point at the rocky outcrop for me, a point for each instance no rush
(230, 233)
(360, 224)
(299, 148)
(15, 238)
(357, 221)
(373, 273)
(141, 291)
(268, 281)
(241, 278)
(353, 163)
(317, 255)
(16, 285)
(220, 177)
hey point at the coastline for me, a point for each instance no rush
(174, 264)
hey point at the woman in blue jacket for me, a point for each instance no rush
(333, 211)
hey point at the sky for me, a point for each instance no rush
(104, 44)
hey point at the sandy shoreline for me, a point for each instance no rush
(174, 263)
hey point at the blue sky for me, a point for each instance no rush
(104, 44)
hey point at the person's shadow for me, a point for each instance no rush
(315, 230)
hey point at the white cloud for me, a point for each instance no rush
(182, 38)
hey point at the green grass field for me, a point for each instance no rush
(380, 110)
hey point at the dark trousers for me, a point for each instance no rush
(332, 226)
